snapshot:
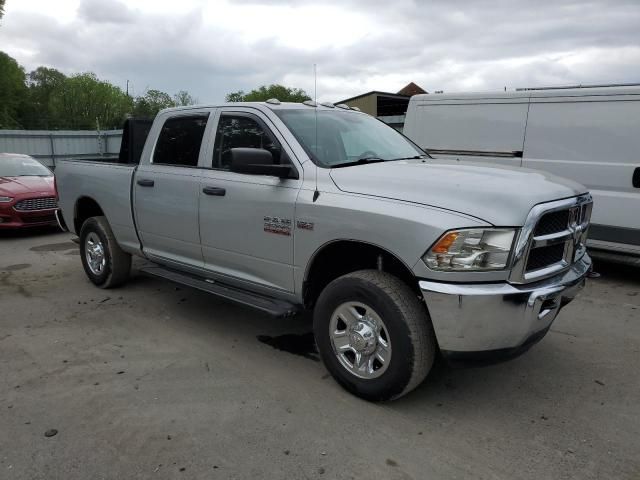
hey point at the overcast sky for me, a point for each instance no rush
(213, 47)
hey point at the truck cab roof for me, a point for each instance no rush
(262, 105)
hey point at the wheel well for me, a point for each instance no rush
(85, 208)
(345, 256)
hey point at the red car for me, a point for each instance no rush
(28, 195)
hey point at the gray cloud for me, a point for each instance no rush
(463, 45)
(100, 11)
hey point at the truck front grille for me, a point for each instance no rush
(544, 256)
(552, 222)
(554, 236)
(42, 203)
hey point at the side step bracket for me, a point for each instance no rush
(272, 306)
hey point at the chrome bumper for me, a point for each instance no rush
(499, 316)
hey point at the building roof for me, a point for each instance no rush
(373, 92)
(407, 91)
(411, 89)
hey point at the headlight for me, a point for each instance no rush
(472, 249)
(5, 199)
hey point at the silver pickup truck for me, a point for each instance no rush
(290, 207)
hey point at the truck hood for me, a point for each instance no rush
(40, 186)
(497, 194)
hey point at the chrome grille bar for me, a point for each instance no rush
(551, 239)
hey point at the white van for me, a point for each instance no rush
(591, 135)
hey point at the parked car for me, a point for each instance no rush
(287, 207)
(590, 135)
(27, 192)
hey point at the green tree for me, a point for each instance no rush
(13, 91)
(235, 96)
(48, 99)
(85, 102)
(183, 98)
(260, 94)
(151, 103)
(1, 8)
(43, 84)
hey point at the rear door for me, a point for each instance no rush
(247, 221)
(166, 191)
(595, 140)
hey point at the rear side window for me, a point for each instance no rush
(180, 140)
(241, 131)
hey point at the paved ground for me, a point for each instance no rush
(154, 381)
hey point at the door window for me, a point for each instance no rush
(241, 131)
(179, 141)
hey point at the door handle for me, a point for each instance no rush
(216, 191)
(636, 178)
(144, 182)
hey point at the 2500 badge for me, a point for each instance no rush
(277, 225)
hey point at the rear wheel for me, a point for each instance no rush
(104, 262)
(374, 335)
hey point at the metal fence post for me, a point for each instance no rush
(53, 150)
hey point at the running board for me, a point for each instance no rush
(272, 306)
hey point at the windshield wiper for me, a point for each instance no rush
(415, 157)
(360, 161)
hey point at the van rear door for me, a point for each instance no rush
(478, 127)
(593, 139)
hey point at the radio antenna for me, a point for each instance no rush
(316, 194)
(315, 99)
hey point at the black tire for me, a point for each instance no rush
(406, 319)
(117, 263)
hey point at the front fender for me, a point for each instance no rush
(403, 229)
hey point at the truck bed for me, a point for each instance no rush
(109, 185)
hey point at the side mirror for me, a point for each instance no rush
(257, 161)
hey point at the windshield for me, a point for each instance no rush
(22, 167)
(343, 137)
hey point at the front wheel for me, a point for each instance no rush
(374, 335)
(103, 260)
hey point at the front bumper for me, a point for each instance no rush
(11, 218)
(499, 318)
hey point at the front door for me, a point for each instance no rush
(166, 192)
(247, 221)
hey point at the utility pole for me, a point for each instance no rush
(127, 88)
